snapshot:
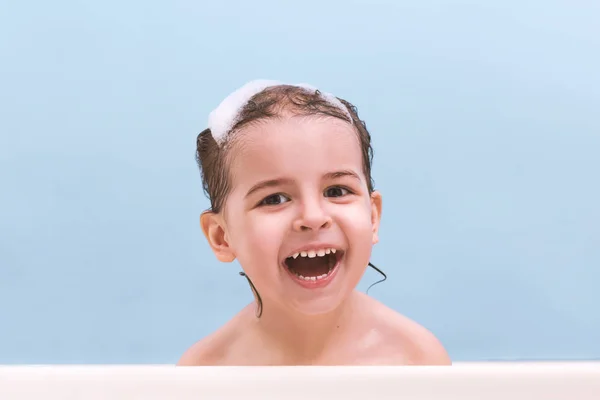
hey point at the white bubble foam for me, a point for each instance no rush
(225, 116)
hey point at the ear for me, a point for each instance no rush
(213, 227)
(375, 214)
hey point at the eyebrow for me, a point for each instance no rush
(342, 174)
(267, 184)
(281, 181)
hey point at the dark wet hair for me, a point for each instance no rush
(214, 159)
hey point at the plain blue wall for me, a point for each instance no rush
(486, 126)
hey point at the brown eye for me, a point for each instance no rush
(336, 191)
(274, 199)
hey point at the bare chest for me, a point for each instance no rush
(370, 349)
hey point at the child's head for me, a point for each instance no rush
(288, 171)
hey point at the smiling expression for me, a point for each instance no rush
(299, 217)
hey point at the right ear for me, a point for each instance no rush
(214, 229)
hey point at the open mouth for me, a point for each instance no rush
(314, 265)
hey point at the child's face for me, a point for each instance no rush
(298, 184)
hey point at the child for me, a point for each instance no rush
(287, 169)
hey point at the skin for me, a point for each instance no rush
(304, 204)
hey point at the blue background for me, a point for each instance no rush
(485, 119)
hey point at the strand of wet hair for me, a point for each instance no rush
(259, 299)
(379, 281)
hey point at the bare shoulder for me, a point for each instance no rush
(425, 347)
(419, 344)
(214, 348)
(203, 352)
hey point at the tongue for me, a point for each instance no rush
(309, 266)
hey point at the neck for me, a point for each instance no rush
(302, 338)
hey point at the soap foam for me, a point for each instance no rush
(222, 119)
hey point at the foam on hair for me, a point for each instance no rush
(222, 119)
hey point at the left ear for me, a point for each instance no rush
(375, 214)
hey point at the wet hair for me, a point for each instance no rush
(214, 159)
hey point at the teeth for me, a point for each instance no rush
(313, 253)
(312, 278)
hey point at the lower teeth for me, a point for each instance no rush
(313, 278)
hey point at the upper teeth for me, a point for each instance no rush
(313, 253)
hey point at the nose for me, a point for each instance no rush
(312, 218)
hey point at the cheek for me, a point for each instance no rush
(257, 238)
(357, 217)
(357, 226)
